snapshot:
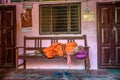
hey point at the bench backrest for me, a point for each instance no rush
(35, 43)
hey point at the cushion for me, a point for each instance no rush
(81, 54)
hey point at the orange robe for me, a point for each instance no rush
(56, 49)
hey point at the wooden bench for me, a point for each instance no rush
(35, 43)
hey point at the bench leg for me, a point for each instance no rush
(16, 66)
(16, 61)
(87, 65)
(24, 64)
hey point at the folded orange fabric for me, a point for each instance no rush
(56, 49)
(70, 46)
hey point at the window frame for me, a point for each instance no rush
(68, 22)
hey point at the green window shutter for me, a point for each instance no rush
(45, 19)
(59, 18)
(74, 18)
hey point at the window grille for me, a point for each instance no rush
(60, 19)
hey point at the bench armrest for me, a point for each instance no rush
(18, 49)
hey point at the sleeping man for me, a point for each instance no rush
(59, 49)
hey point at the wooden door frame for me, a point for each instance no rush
(12, 8)
(98, 27)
